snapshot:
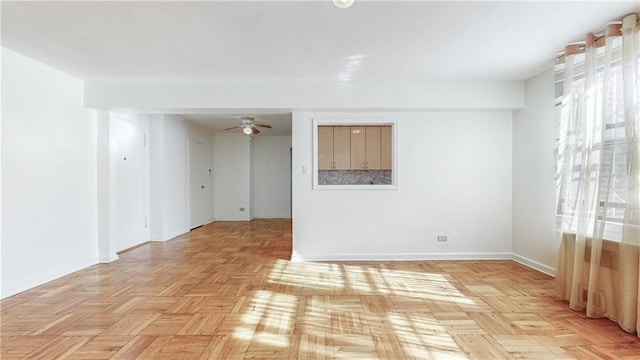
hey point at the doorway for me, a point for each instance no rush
(198, 184)
(130, 165)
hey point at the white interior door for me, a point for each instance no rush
(198, 173)
(130, 222)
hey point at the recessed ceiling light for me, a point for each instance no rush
(343, 4)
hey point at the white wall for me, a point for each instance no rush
(454, 171)
(175, 191)
(49, 161)
(460, 95)
(106, 177)
(169, 137)
(252, 173)
(534, 241)
(1, 177)
(232, 176)
(272, 174)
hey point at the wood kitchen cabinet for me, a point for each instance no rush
(354, 148)
(372, 150)
(366, 150)
(385, 148)
(334, 147)
(341, 148)
(358, 148)
(325, 147)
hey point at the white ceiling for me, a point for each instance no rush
(218, 123)
(302, 40)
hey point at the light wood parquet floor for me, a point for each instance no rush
(228, 291)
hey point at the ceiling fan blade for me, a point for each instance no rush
(254, 130)
(231, 128)
(264, 126)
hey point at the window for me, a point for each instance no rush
(592, 146)
(355, 154)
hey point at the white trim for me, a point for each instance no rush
(258, 217)
(230, 219)
(366, 121)
(42, 279)
(545, 269)
(295, 257)
(532, 264)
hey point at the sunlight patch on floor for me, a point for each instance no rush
(367, 280)
(421, 336)
(273, 318)
(269, 319)
(310, 275)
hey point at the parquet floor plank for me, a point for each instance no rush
(100, 347)
(227, 290)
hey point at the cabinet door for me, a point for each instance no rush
(341, 148)
(372, 151)
(385, 148)
(358, 148)
(325, 147)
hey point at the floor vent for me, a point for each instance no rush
(597, 299)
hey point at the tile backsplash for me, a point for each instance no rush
(354, 177)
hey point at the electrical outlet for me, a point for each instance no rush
(442, 238)
(241, 209)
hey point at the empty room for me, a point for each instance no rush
(320, 179)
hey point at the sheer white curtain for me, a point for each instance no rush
(598, 170)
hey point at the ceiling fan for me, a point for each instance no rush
(248, 126)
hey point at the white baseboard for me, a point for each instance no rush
(247, 219)
(295, 257)
(53, 274)
(534, 265)
(108, 259)
(273, 216)
(176, 233)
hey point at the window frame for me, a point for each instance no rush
(613, 227)
(350, 121)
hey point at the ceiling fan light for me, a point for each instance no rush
(247, 130)
(343, 4)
